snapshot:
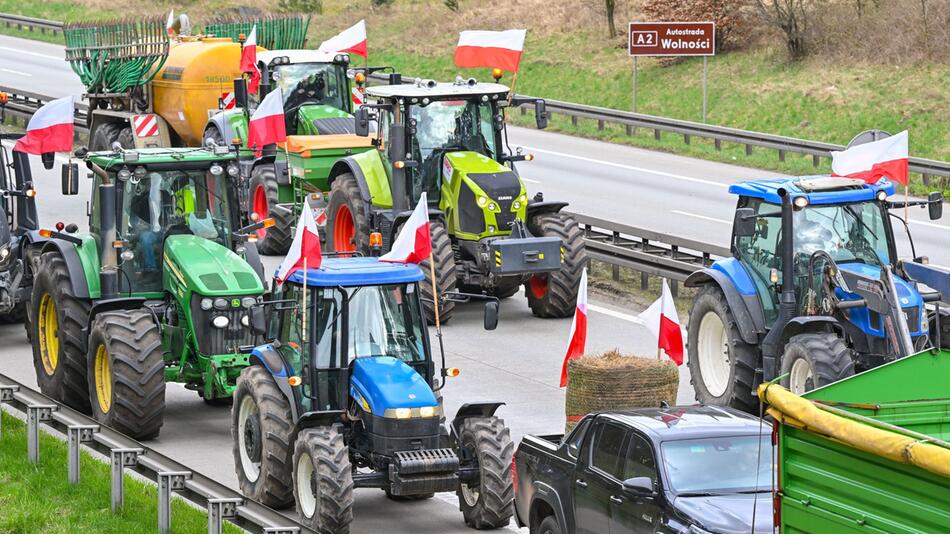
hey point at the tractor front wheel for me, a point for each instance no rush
(323, 480)
(445, 274)
(486, 503)
(721, 365)
(261, 424)
(347, 220)
(263, 197)
(555, 294)
(815, 360)
(127, 373)
(58, 318)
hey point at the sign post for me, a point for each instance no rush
(672, 39)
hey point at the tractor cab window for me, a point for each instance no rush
(847, 232)
(760, 253)
(311, 83)
(158, 204)
(447, 126)
(385, 321)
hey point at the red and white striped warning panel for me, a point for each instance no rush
(145, 125)
(227, 101)
(357, 96)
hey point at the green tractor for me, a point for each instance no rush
(449, 140)
(158, 290)
(318, 91)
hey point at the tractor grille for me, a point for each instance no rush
(506, 217)
(213, 340)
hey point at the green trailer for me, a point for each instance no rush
(868, 453)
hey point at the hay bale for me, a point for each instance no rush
(614, 381)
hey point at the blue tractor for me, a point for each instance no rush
(346, 395)
(813, 290)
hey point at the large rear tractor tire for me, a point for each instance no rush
(59, 345)
(125, 138)
(554, 295)
(104, 135)
(127, 373)
(347, 219)
(261, 424)
(446, 277)
(487, 502)
(815, 360)
(721, 365)
(263, 197)
(323, 480)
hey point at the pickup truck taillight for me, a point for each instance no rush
(514, 472)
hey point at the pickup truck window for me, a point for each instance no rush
(606, 452)
(720, 465)
(640, 460)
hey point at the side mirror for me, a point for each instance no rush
(258, 320)
(541, 114)
(638, 487)
(362, 122)
(743, 225)
(70, 179)
(935, 205)
(240, 93)
(48, 159)
(491, 315)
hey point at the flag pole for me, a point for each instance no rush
(303, 304)
(435, 295)
(906, 199)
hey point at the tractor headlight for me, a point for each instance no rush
(4, 252)
(427, 411)
(221, 321)
(247, 302)
(216, 169)
(233, 170)
(801, 202)
(482, 201)
(245, 321)
(402, 413)
(206, 304)
(220, 304)
(516, 205)
(127, 255)
(491, 206)
(523, 198)
(882, 195)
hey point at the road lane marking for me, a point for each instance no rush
(703, 217)
(21, 73)
(27, 52)
(615, 314)
(630, 167)
(530, 181)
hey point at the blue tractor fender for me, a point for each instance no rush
(273, 361)
(469, 410)
(737, 286)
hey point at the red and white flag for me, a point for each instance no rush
(267, 123)
(414, 242)
(170, 23)
(870, 162)
(50, 129)
(575, 349)
(661, 319)
(490, 49)
(352, 40)
(305, 250)
(249, 61)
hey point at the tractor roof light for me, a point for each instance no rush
(359, 78)
(800, 202)
(496, 73)
(376, 239)
(216, 169)
(882, 195)
(4, 98)
(127, 255)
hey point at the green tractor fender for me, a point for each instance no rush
(229, 124)
(372, 175)
(544, 206)
(82, 263)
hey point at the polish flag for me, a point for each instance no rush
(661, 319)
(414, 243)
(50, 129)
(575, 349)
(490, 49)
(249, 61)
(352, 40)
(267, 123)
(886, 158)
(170, 23)
(305, 250)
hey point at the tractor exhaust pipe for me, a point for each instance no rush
(108, 260)
(788, 305)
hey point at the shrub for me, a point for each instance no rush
(732, 17)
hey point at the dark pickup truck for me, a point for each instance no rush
(693, 469)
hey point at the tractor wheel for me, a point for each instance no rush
(721, 366)
(944, 331)
(487, 502)
(323, 480)
(815, 360)
(261, 424)
(347, 220)
(59, 344)
(505, 290)
(262, 201)
(555, 294)
(212, 132)
(445, 274)
(127, 373)
(106, 134)
(125, 138)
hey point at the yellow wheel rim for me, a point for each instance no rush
(103, 378)
(48, 334)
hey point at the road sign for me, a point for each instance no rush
(672, 39)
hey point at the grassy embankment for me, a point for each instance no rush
(39, 499)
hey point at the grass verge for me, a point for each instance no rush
(39, 500)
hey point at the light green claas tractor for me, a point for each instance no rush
(449, 140)
(318, 90)
(157, 290)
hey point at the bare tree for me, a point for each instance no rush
(611, 6)
(792, 17)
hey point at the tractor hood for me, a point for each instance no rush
(906, 294)
(208, 268)
(324, 120)
(384, 382)
(489, 195)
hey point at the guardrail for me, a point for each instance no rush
(30, 23)
(124, 453)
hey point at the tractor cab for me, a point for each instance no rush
(815, 281)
